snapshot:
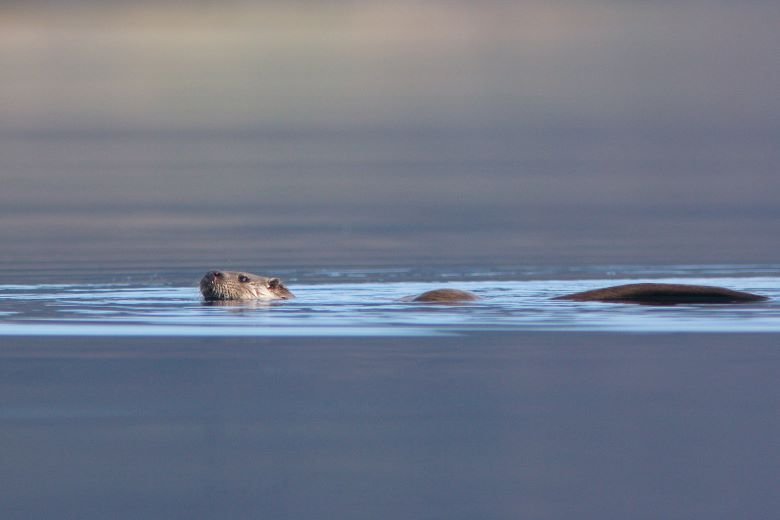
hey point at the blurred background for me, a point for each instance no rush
(308, 133)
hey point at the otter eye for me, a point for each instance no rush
(243, 279)
(273, 283)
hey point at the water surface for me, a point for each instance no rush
(125, 396)
(369, 303)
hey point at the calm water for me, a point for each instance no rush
(143, 143)
(124, 396)
(369, 303)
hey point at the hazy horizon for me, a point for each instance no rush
(571, 131)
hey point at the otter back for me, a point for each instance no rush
(663, 294)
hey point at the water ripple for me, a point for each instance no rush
(372, 308)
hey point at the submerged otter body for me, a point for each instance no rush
(233, 285)
(445, 296)
(663, 294)
(237, 286)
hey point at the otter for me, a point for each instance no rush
(232, 285)
(445, 296)
(663, 294)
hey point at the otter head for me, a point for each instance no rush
(231, 285)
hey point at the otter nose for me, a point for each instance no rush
(215, 274)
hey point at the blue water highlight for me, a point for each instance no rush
(373, 306)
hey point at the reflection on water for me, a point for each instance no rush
(375, 306)
(137, 400)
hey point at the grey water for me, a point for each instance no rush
(371, 303)
(363, 152)
(125, 396)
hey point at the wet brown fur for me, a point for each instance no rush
(234, 285)
(663, 294)
(446, 296)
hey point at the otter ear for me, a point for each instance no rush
(274, 283)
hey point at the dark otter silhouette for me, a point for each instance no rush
(446, 296)
(663, 294)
